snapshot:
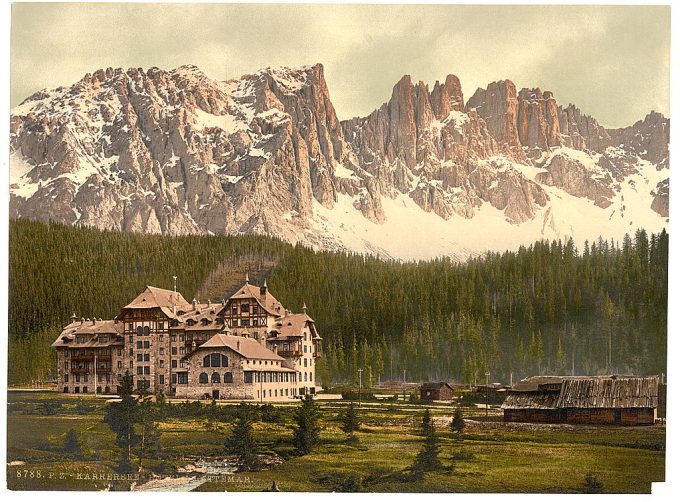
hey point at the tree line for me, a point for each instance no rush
(551, 307)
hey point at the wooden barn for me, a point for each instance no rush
(436, 391)
(612, 400)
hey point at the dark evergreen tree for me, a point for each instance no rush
(148, 443)
(306, 434)
(121, 418)
(350, 419)
(72, 443)
(241, 442)
(426, 422)
(458, 424)
(427, 459)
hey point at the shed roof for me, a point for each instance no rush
(434, 385)
(613, 391)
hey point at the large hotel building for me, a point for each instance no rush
(248, 347)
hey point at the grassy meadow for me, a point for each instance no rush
(491, 456)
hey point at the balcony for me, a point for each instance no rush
(290, 353)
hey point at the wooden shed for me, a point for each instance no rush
(436, 391)
(614, 400)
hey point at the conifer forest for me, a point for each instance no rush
(551, 308)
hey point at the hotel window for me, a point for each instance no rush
(147, 344)
(140, 370)
(215, 378)
(173, 351)
(228, 377)
(245, 322)
(181, 350)
(66, 377)
(120, 365)
(245, 307)
(140, 331)
(147, 357)
(120, 352)
(255, 311)
(161, 325)
(161, 363)
(131, 327)
(160, 338)
(139, 345)
(174, 378)
(234, 311)
(255, 323)
(183, 378)
(161, 351)
(203, 378)
(181, 363)
(147, 370)
(140, 357)
(161, 379)
(147, 330)
(173, 338)
(174, 363)
(181, 338)
(248, 377)
(131, 339)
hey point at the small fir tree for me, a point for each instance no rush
(241, 442)
(426, 423)
(427, 459)
(121, 418)
(307, 431)
(458, 424)
(149, 445)
(350, 420)
(72, 443)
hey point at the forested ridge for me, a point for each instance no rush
(551, 307)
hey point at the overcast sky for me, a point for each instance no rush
(613, 62)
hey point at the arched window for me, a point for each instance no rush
(146, 331)
(228, 377)
(206, 361)
(215, 378)
(203, 378)
(215, 360)
(139, 331)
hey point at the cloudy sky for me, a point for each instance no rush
(612, 61)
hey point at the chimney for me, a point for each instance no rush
(73, 318)
(193, 302)
(94, 321)
(247, 278)
(263, 290)
(82, 320)
(209, 304)
(304, 307)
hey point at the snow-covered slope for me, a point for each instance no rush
(424, 175)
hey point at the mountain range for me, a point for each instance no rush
(426, 174)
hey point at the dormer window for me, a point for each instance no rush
(191, 322)
(204, 322)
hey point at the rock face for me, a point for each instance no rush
(180, 153)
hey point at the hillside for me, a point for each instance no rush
(427, 174)
(541, 309)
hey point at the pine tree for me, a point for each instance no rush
(148, 443)
(350, 419)
(427, 459)
(121, 418)
(457, 423)
(426, 422)
(72, 442)
(241, 441)
(306, 434)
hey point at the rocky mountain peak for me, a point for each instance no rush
(179, 152)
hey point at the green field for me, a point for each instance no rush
(492, 457)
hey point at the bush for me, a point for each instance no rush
(592, 484)
(462, 455)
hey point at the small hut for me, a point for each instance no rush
(436, 391)
(616, 400)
